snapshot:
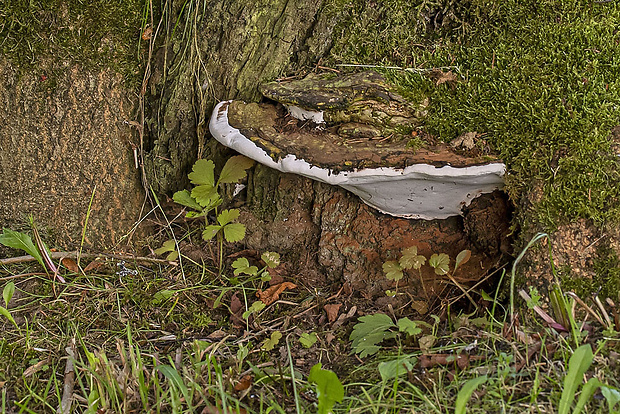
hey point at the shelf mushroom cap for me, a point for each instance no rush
(424, 190)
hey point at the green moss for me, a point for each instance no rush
(540, 78)
(92, 33)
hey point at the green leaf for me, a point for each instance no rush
(587, 392)
(241, 265)
(21, 241)
(397, 367)
(486, 296)
(369, 332)
(210, 231)
(408, 326)
(227, 216)
(271, 259)
(184, 198)
(162, 296)
(206, 196)
(172, 256)
(234, 169)
(440, 262)
(202, 173)
(329, 389)
(7, 293)
(175, 379)
(308, 339)
(234, 232)
(392, 270)
(611, 394)
(410, 259)
(465, 393)
(256, 307)
(271, 342)
(462, 258)
(5, 312)
(168, 246)
(577, 366)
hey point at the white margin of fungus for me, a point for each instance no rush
(420, 191)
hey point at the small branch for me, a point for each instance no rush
(61, 255)
(69, 383)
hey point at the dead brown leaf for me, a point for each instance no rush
(70, 264)
(244, 383)
(441, 77)
(147, 33)
(461, 360)
(332, 311)
(92, 266)
(272, 294)
(35, 368)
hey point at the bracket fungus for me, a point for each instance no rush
(354, 132)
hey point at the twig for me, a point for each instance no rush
(67, 389)
(61, 255)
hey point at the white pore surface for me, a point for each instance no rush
(419, 191)
(304, 115)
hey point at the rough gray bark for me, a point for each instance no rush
(63, 138)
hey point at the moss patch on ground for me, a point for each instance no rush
(540, 78)
(92, 33)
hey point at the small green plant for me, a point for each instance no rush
(272, 341)
(410, 259)
(205, 197)
(371, 330)
(578, 364)
(308, 339)
(393, 269)
(465, 393)
(329, 389)
(7, 294)
(40, 252)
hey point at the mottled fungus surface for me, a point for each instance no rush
(354, 132)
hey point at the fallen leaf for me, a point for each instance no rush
(70, 264)
(236, 308)
(244, 383)
(332, 311)
(440, 77)
(216, 335)
(461, 360)
(147, 33)
(35, 368)
(272, 294)
(94, 265)
(235, 304)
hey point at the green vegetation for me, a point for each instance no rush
(149, 338)
(92, 33)
(540, 78)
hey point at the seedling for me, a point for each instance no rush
(205, 197)
(329, 389)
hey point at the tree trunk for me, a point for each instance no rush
(326, 233)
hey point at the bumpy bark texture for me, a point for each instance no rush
(62, 137)
(326, 234)
(234, 48)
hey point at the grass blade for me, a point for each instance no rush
(465, 393)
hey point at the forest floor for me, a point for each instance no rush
(131, 334)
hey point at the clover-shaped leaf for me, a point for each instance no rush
(440, 262)
(202, 173)
(410, 259)
(392, 270)
(241, 265)
(271, 259)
